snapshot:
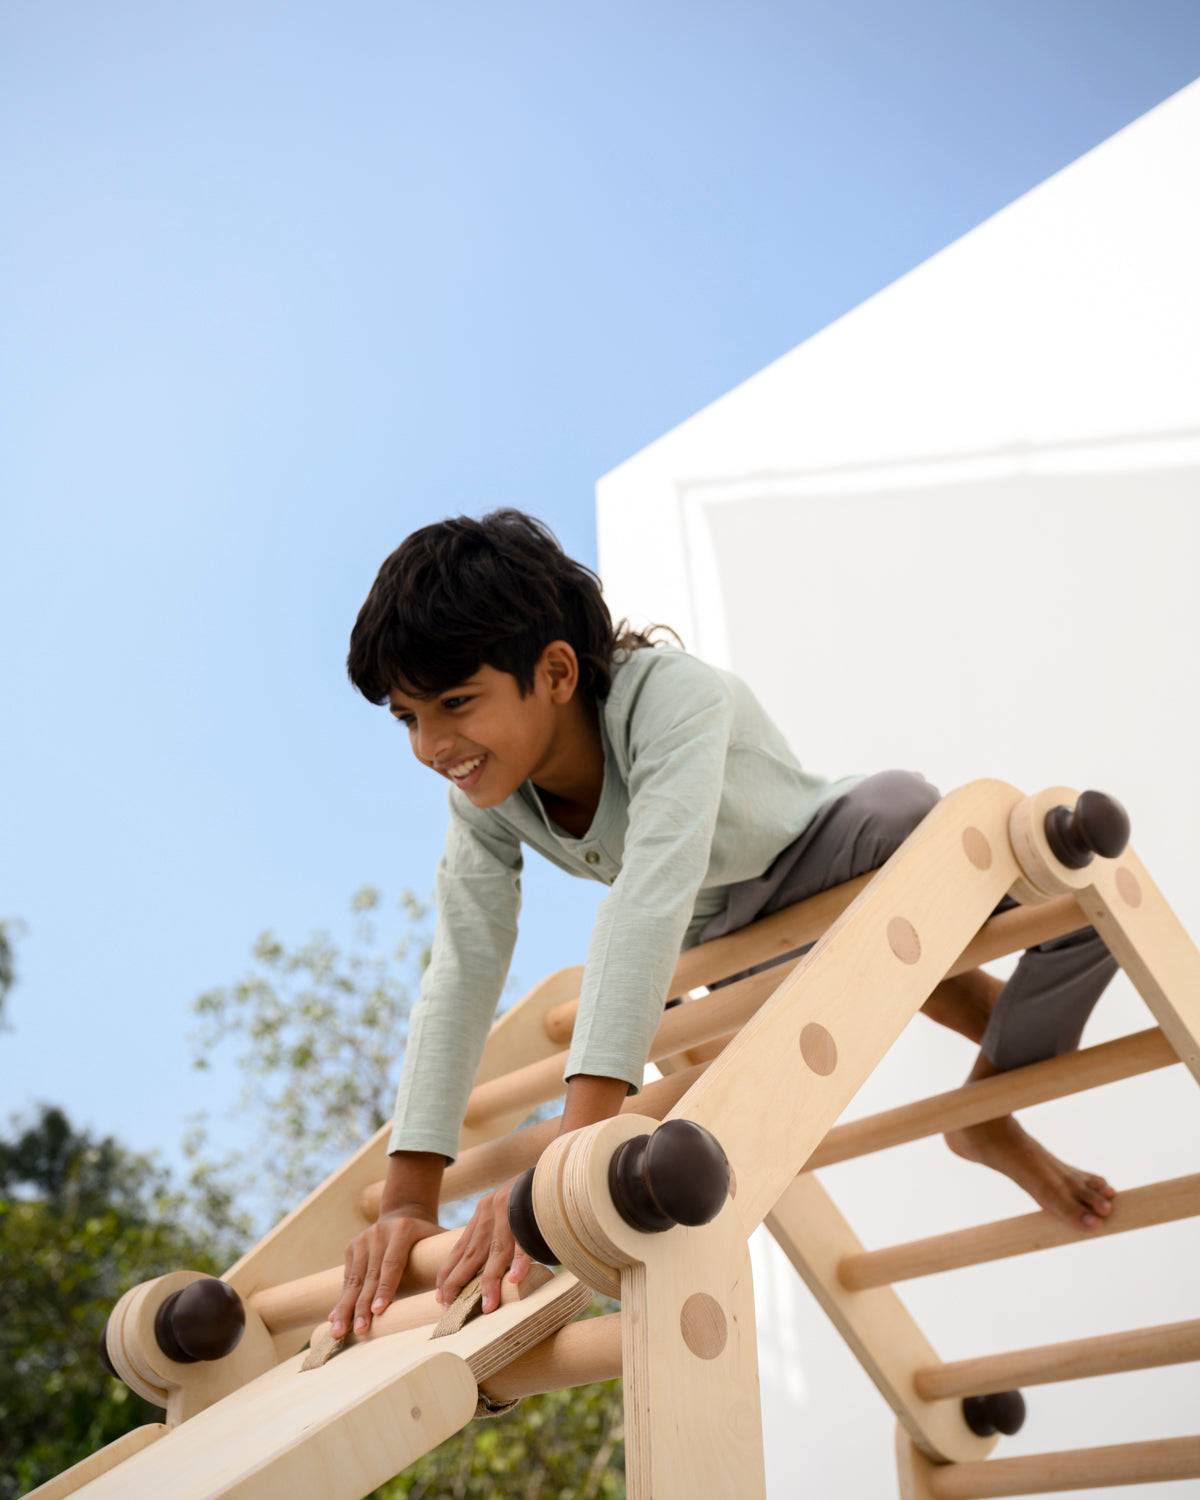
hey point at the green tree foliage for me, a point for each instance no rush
(10, 929)
(81, 1221)
(566, 1444)
(320, 1031)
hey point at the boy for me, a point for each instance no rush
(665, 779)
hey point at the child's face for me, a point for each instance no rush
(483, 735)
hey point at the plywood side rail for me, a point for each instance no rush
(1077, 1359)
(1135, 1208)
(1083, 1468)
(990, 1098)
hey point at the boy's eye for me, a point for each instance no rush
(456, 702)
(406, 721)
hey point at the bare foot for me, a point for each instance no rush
(1078, 1198)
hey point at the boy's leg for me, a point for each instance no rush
(1040, 1013)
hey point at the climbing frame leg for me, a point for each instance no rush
(692, 1420)
(693, 1427)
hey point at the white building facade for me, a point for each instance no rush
(958, 531)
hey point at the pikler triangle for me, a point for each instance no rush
(757, 1073)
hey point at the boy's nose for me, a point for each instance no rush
(430, 742)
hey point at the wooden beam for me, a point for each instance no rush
(990, 1098)
(1156, 1462)
(1077, 1359)
(1135, 1208)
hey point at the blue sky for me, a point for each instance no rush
(284, 282)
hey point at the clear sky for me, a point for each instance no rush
(283, 282)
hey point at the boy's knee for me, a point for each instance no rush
(893, 803)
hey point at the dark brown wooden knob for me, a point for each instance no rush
(678, 1175)
(523, 1222)
(203, 1321)
(105, 1356)
(1002, 1411)
(1097, 824)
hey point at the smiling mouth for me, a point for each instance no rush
(465, 769)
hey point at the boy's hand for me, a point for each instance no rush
(486, 1246)
(375, 1262)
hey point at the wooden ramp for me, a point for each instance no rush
(762, 1066)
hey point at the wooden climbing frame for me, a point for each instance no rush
(763, 1066)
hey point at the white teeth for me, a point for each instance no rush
(464, 769)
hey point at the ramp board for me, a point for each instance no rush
(341, 1430)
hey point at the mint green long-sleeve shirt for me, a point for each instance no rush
(700, 791)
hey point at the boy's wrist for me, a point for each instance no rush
(591, 1098)
(413, 1185)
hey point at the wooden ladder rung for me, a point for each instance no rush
(1135, 1208)
(1082, 1468)
(990, 1098)
(1077, 1359)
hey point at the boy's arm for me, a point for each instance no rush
(376, 1258)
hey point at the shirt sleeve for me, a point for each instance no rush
(478, 901)
(679, 729)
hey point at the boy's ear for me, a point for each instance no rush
(561, 666)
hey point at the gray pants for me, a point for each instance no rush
(1042, 1009)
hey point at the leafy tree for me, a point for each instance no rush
(320, 1032)
(569, 1444)
(81, 1221)
(10, 928)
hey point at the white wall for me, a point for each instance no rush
(957, 531)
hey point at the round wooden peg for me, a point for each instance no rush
(1097, 824)
(203, 1321)
(678, 1175)
(523, 1221)
(1002, 1411)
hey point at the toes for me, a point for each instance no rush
(1096, 1200)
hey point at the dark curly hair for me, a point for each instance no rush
(462, 594)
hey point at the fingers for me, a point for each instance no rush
(375, 1262)
(486, 1249)
(1095, 1196)
(500, 1258)
(352, 1285)
(520, 1266)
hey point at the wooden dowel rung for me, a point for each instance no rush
(990, 1098)
(1136, 1208)
(681, 1027)
(578, 1354)
(309, 1300)
(726, 1010)
(1077, 1359)
(1155, 1462)
(800, 925)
